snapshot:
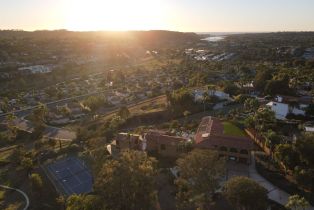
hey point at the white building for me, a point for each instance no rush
(198, 95)
(309, 127)
(282, 106)
(38, 69)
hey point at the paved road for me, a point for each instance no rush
(24, 112)
(49, 132)
(274, 193)
(19, 191)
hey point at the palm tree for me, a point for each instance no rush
(124, 112)
(186, 113)
(205, 99)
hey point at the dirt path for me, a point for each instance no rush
(19, 191)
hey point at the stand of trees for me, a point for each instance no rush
(245, 194)
(180, 100)
(128, 182)
(200, 174)
(299, 159)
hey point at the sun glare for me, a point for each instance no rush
(116, 15)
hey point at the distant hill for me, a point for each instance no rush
(146, 38)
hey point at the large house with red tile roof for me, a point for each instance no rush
(158, 142)
(210, 135)
(163, 143)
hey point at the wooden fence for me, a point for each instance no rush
(259, 140)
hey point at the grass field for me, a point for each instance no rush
(232, 130)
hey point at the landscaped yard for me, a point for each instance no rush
(232, 130)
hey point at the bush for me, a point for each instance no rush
(292, 116)
(74, 148)
(36, 181)
(241, 98)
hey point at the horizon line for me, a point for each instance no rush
(197, 32)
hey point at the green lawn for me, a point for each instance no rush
(231, 130)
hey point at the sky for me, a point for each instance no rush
(177, 15)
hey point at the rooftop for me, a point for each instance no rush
(163, 138)
(212, 132)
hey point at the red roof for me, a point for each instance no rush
(226, 141)
(210, 135)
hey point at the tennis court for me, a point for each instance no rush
(70, 176)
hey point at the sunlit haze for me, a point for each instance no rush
(184, 15)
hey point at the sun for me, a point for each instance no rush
(115, 15)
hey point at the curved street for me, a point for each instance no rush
(19, 191)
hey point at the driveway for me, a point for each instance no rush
(274, 193)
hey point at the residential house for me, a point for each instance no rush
(198, 95)
(163, 143)
(210, 135)
(284, 105)
(309, 127)
(129, 141)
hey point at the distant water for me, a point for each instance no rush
(214, 38)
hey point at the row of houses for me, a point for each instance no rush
(205, 55)
(209, 135)
(37, 69)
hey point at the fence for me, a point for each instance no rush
(259, 140)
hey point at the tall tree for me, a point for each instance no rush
(124, 112)
(278, 85)
(245, 194)
(84, 202)
(272, 139)
(37, 185)
(261, 78)
(310, 110)
(264, 119)
(39, 115)
(12, 131)
(286, 154)
(251, 104)
(200, 173)
(128, 182)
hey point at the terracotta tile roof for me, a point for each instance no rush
(210, 135)
(226, 141)
(209, 126)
